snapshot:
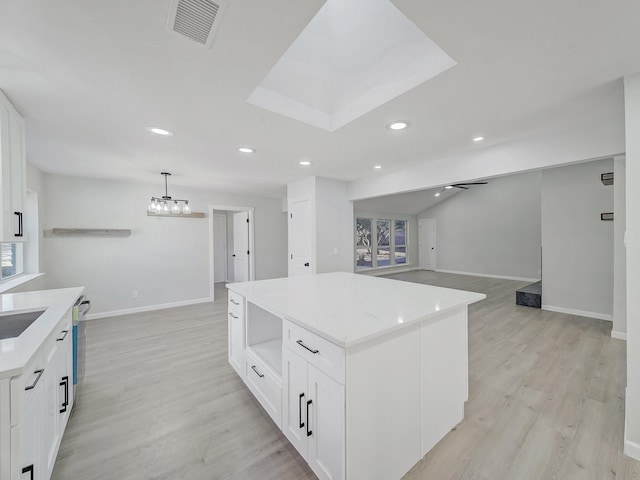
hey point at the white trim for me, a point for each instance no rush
(148, 308)
(18, 280)
(504, 277)
(618, 335)
(631, 449)
(581, 313)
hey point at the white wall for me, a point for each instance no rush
(491, 229)
(619, 329)
(165, 259)
(632, 117)
(412, 241)
(331, 222)
(577, 247)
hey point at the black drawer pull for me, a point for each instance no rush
(309, 432)
(253, 367)
(65, 383)
(300, 410)
(35, 382)
(233, 301)
(28, 470)
(64, 334)
(312, 350)
(20, 232)
(233, 316)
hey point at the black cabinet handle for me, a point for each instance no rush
(234, 302)
(300, 410)
(64, 334)
(35, 382)
(309, 432)
(20, 233)
(28, 470)
(312, 350)
(253, 367)
(65, 383)
(233, 316)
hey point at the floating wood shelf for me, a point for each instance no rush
(181, 215)
(97, 232)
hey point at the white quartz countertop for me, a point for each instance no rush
(15, 353)
(347, 308)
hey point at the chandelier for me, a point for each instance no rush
(166, 205)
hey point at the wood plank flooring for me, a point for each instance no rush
(546, 400)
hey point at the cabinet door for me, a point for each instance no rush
(65, 376)
(236, 340)
(49, 431)
(27, 458)
(6, 222)
(326, 417)
(295, 421)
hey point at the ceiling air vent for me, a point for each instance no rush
(198, 20)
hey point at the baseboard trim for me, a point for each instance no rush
(581, 313)
(618, 335)
(386, 271)
(503, 277)
(631, 449)
(148, 308)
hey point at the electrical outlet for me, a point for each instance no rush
(136, 294)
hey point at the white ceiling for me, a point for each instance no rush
(90, 75)
(410, 203)
(352, 57)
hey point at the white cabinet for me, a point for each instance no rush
(314, 416)
(40, 405)
(12, 172)
(236, 331)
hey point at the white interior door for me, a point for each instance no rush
(427, 240)
(241, 247)
(219, 248)
(300, 239)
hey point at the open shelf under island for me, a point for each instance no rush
(363, 375)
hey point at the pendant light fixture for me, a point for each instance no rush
(166, 205)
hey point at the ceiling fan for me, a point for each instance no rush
(464, 186)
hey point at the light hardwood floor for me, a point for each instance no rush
(546, 400)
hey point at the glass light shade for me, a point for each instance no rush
(175, 208)
(165, 207)
(186, 209)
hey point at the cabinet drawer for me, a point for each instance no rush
(264, 386)
(321, 353)
(24, 388)
(236, 304)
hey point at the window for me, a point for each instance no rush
(11, 260)
(400, 240)
(388, 241)
(363, 243)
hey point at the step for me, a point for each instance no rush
(530, 296)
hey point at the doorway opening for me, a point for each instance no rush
(231, 245)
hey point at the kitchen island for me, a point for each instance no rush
(363, 375)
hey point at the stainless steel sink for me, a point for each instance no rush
(13, 324)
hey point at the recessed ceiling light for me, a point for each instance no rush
(398, 125)
(305, 163)
(160, 131)
(246, 150)
(478, 139)
(378, 167)
(448, 187)
(437, 194)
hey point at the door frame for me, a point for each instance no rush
(423, 221)
(231, 208)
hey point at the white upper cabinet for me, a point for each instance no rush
(12, 172)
